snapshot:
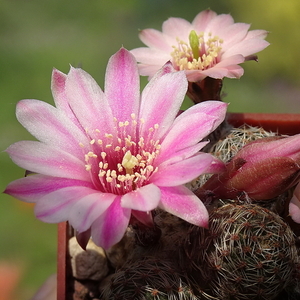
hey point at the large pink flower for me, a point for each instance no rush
(101, 157)
(212, 45)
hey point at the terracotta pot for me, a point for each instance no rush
(281, 123)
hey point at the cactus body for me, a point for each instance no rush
(247, 253)
(148, 279)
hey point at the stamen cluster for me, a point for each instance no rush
(122, 161)
(198, 54)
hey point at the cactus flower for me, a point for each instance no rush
(262, 170)
(102, 157)
(212, 45)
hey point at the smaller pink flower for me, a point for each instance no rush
(102, 157)
(212, 45)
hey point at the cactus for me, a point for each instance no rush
(247, 253)
(148, 279)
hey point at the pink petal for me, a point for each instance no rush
(234, 71)
(58, 86)
(164, 95)
(185, 170)
(185, 153)
(88, 103)
(33, 187)
(202, 19)
(197, 123)
(258, 34)
(48, 160)
(196, 75)
(109, 228)
(48, 125)
(150, 56)
(122, 85)
(228, 61)
(212, 108)
(83, 238)
(177, 28)
(246, 47)
(156, 39)
(181, 202)
(144, 217)
(294, 209)
(87, 209)
(55, 207)
(294, 206)
(145, 198)
(233, 34)
(148, 70)
(220, 21)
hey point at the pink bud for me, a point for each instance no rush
(262, 170)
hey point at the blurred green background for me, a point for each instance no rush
(37, 35)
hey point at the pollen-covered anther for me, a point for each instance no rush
(92, 154)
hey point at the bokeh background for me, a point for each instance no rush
(37, 35)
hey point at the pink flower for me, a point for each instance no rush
(212, 45)
(102, 157)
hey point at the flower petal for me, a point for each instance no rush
(151, 56)
(109, 228)
(185, 170)
(220, 21)
(177, 28)
(144, 217)
(122, 85)
(88, 102)
(199, 122)
(145, 198)
(202, 19)
(55, 207)
(33, 187)
(48, 125)
(233, 34)
(48, 160)
(294, 209)
(180, 155)
(58, 85)
(181, 202)
(258, 33)
(58, 88)
(87, 209)
(246, 47)
(156, 39)
(164, 95)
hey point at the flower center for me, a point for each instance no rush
(199, 54)
(124, 161)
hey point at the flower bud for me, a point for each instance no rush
(261, 170)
